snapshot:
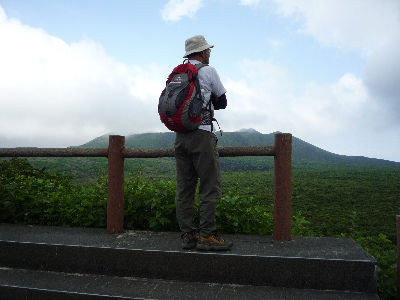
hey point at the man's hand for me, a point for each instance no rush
(218, 102)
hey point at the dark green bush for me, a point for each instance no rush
(32, 196)
(384, 251)
(17, 166)
(149, 205)
(236, 214)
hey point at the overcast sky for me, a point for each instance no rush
(327, 71)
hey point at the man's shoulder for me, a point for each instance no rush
(208, 69)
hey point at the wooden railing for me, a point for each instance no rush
(116, 153)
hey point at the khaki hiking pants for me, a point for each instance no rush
(197, 158)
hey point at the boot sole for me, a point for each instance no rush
(188, 246)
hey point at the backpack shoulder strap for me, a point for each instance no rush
(199, 66)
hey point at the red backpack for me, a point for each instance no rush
(181, 102)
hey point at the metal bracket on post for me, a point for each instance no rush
(283, 187)
(115, 201)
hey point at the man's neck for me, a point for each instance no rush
(198, 58)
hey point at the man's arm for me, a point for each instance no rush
(219, 102)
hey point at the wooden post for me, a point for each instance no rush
(398, 256)
(283, 187)
(115, 201)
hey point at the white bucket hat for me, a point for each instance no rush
(196, 44)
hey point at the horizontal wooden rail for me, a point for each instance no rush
(223, 152)
(116, 153)
(53, 152)
(130, 152)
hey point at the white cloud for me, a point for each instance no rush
(349, 25)
(334, 108)
(368, 27)
(59, 94)
(357, 108)
(174, 10)
(382, 77)
(265, 98)
(252, 3)
(252, 97)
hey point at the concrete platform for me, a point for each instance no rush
(252, 245)
(321, 265)
(45, 285)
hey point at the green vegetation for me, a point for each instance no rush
(32, 196)
(384, 251)
(356, 203)
(338, 201)
(333, 195)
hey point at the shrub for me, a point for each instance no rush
(236, 214)
(384, 251)
(149, 205)
(32, 196)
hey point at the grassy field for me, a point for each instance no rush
(358, 201)
(341, 201)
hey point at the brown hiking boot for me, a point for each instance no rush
(213, 243)
(189, 239)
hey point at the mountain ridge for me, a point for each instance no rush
(303, 153)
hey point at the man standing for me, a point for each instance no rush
(197, 158)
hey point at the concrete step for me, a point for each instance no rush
(18, 284)
(303, 263)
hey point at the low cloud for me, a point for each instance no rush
(272, 103)
(382, 77)
(58, 94)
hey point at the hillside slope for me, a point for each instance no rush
(304, 155)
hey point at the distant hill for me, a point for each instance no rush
(304, 155)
